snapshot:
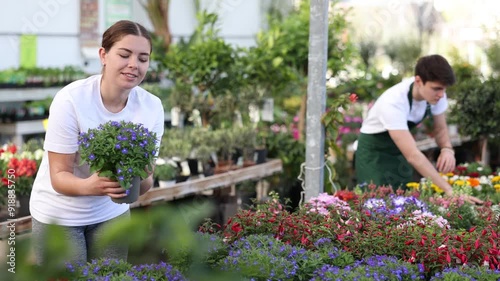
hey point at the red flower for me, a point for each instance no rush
(236, 227)
(23, 167)
(353, 97)
(474, 175)
(448, 258)
(12, 148)
(477, 244)
(346, 195)
(304, 240)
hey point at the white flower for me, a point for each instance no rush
(38, 154)
(6, 156)
(484, 180)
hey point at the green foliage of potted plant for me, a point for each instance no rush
(246, 139)
(175, 144)
(39, 76)
(403, 53)
(226, 138)
(477, 110)
(165, 173)
(204, 70)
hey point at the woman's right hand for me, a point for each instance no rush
(101, 186)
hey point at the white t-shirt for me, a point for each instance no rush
(391, 111)
(77, 108)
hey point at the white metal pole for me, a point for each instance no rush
(316, 98)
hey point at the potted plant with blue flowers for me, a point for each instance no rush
(121, 151)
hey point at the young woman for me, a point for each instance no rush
(387, 152)
(64, 192)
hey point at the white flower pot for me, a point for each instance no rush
(166, 183)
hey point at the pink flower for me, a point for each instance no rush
(357, 119)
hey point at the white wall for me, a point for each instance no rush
(56, 24)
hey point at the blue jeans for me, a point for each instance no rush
(83, 242)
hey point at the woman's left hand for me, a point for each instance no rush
(446, 161)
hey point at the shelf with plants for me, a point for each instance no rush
(27, 94)
(202, 184)
(39, 77)
(179, 190)
(17, 131)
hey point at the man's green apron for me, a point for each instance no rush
(379, 161)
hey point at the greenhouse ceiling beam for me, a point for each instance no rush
(316, 98)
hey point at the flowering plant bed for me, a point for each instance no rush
(379, 234)
(18, 167)
(467, 179)
(381, 222)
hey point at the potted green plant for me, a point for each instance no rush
(124, 159)
(226, 138)
(165, 173)
(245, 142)
(477, 111)
(203, 146)
(175, 145)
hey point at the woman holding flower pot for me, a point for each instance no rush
(65, 192)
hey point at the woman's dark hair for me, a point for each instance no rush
(120, 29)
(435, 68)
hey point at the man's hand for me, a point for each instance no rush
(472, 199)
(466, 198)
(446, 161)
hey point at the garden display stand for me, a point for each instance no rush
(17, 130)
(430, 143)
(179, 190)
(204, 184)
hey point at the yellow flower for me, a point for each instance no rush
(450, 174)
(459, 182)
(413, 185)
(495, 179)
(497, 187)
(436, 188)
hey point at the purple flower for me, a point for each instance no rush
(131, 149)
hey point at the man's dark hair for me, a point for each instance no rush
(435, 68)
